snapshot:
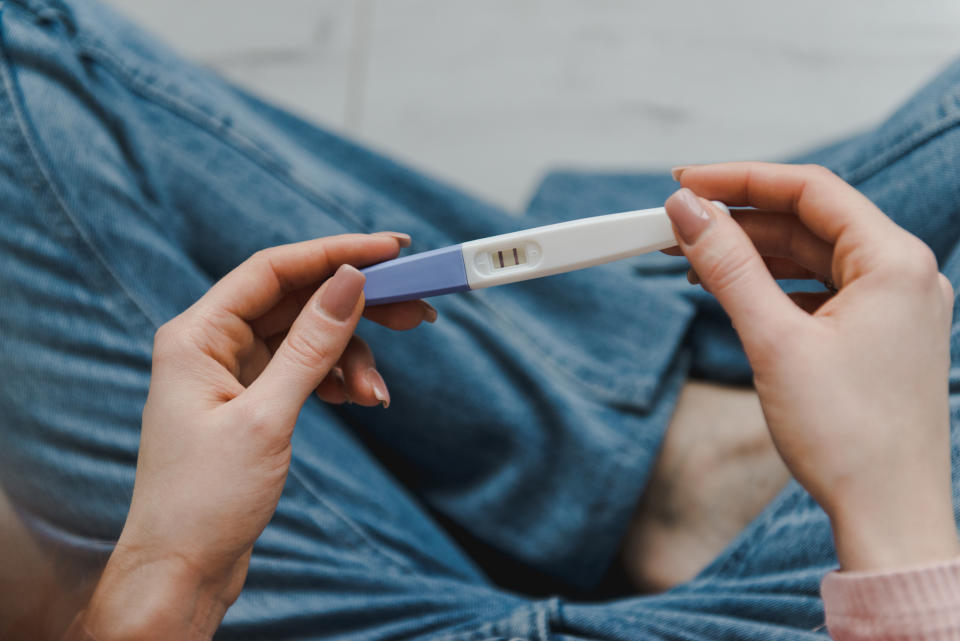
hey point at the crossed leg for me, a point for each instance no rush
(530, 416)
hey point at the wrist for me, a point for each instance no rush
(890, 535)
(154, 599)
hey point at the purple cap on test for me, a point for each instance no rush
(431, 273)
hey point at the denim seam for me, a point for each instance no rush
(901, 147)
(550, 616)
(538, 622)
(42, 165)
(635, 395)
(487, 631)
(219, 127)
(536, 617)
(565, 372)
(557, 616)
(573, 372)
(667, 630)
(664, 628)
(405, 568)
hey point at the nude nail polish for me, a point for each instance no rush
(341, 382)
(676, 172)
(403, 240)
(342, 292)
(429, 312)
(379, 387)
(688, 214)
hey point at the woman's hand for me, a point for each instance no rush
(230, 375)
(853, 385)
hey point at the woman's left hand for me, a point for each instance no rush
(853, 382)
(230, 375)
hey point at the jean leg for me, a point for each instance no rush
(349, 554)
(910, 164)
(159, 178)
(765, 585)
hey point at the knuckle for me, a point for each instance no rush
(167, 337)
(918, 265)
(264, 263)
(820, 172)
(260, 256)
(259, 260)
(307, 350)
(262, 260)
(258, 419)
(725, 269)
(947, 288)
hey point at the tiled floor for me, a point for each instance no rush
(489, 94)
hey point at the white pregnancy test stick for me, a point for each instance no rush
(519, 255)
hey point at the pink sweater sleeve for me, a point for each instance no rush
(914, 604)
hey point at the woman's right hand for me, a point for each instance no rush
(230, 376)
(853, 385)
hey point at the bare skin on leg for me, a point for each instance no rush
(716, 471)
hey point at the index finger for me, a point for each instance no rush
(261, 281)
(822, 200)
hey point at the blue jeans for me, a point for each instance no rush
(524, 424)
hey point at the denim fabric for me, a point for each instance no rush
(523, 425)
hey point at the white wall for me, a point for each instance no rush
(491, 93)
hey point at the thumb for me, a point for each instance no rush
(315, 342)
(729, 266)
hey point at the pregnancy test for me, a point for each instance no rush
(520, 255)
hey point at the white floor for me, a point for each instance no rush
(489, 94)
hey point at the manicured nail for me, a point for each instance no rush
(688, 214)
(693, 277)
(429, 312)
(721, 206)
(676, 172)
(341, 381)
(342, 292)
(379, 387)
(402, 239)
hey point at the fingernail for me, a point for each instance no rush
(688, 214)
(341, 381)
(676, 172)
(342, 292)
(379, 387)
(429, 312)
(402, 239)
(721, 206)
(692, 277)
